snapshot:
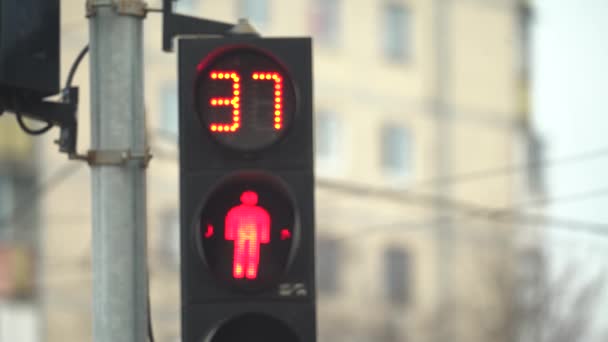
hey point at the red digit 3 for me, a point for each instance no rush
(233, 101)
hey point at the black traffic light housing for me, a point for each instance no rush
(282, 307)
(30, 69)
(29, 46)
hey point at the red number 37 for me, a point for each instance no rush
(235, 100)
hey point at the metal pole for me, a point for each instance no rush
(443, 225)
(120, 284)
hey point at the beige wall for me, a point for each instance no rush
(352, 79)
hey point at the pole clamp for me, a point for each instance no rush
(114, 157)
(136, 8)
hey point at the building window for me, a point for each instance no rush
(6, 204)
(327, 137)
(396, 20)
(397, 276)
(169, 111)
(328, 252)
(396, 149)
(325, 21)
(6, 196)
(254, 10)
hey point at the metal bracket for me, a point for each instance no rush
(34, 106)
(113, 157)
(177, 24)
(136, 8)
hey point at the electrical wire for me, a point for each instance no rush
(468, 176)
(149, 313)
(493, 214)
(74, 67)
(68, 85)
(428, 200)
(62, 174)
(31, 131)
(421, 199)
(596, 229)
(515, 168)
(576, 197)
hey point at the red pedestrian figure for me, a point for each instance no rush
(248, 225)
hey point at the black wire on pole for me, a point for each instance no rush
(32, 131)
(65, 172)
(68, 85)
(149, 312)
(74, 67)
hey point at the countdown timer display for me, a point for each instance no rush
(246, 232)
(245, 98)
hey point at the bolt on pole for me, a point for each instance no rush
(120, 280)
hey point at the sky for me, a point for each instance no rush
(570, 111)
(570, 97)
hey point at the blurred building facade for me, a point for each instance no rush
(411, 96)
(19, 235)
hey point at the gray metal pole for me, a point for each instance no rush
(120, 284)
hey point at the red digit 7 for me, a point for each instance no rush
(233, 101)
(278, 94)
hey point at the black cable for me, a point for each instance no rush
(74, 67)
(31, 131)
(155, 10)
(68, 85)
(150, 330)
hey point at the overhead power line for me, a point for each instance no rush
(468, 208)
(516, 168)
(458, 177)
(576, 197)
(416, 198)
(465, 208)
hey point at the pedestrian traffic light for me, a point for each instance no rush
(246, 189)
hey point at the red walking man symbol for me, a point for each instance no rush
(248, 225)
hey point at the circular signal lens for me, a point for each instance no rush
(256, 84)
(246, 231)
